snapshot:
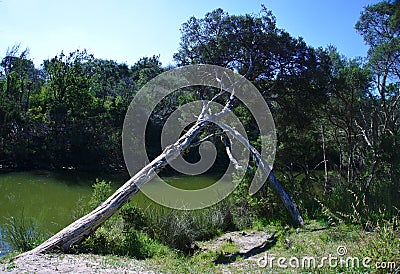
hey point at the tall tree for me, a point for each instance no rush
(291, 75)
(20, 80)
(343, 115)
(69, 102)
(379, 25)
(20, 75)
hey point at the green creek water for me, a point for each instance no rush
(50, 198)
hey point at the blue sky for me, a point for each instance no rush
(124, 30)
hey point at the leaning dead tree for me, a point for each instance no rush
(83, 227)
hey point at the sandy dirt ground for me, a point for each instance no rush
(67, 263)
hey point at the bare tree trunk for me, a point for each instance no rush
(325, 163)
(80, 229)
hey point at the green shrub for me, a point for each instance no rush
(259, 224)
(133, 217)
(101, 191)
(131, 243)
(138, 245)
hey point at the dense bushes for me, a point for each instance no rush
(143, 233)
(67, 114)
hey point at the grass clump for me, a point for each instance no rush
(22, 233)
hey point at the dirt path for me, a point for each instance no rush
(67, 263)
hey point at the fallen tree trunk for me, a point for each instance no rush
(83, 227)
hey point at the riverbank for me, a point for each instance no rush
(350, 248)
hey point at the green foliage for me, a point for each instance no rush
(259, 224)
(385, 248)
(69, 114)
(101, 191)
(177, 231)
(22, 234)
(229, 247)
(133, 217)
(145, 69)
(139, 245)
(123, 234)
(225, 252)
(130, 243)
(252, 208)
